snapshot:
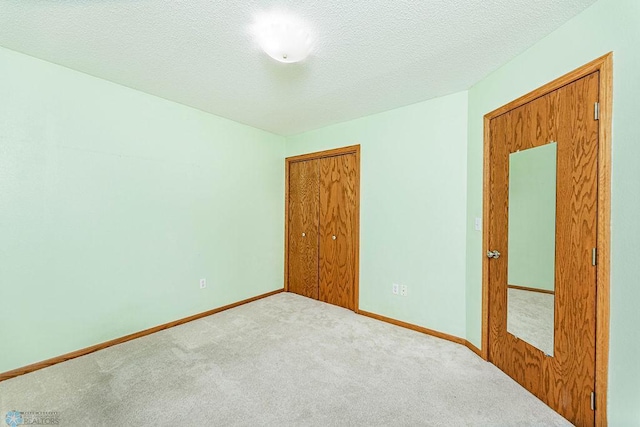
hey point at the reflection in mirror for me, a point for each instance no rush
(532, 243)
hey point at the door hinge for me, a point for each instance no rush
(597, 111)
(594, 256)
(593, 401)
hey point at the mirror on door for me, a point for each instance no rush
(532, 246)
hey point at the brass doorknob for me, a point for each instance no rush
(333, 237)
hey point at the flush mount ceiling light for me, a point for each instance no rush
(283, 36)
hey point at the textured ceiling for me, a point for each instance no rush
(371, 55)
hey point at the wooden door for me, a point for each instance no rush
(566, 380)
(338, 230)
(304, 198)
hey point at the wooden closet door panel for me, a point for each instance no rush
(338, 180)
(304, 186)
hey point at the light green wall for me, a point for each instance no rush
(413, 189)
(114, 204)
(608, 25)
(532, 217)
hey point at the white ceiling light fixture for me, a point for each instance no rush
(283, 36)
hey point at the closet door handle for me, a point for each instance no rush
(304, 234)
(334, 237)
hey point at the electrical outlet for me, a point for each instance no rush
(203, 283)
(403, 290)
(395, 288)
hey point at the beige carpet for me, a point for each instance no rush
(284, 360)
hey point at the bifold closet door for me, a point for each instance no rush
(304, 186)
(338, 208)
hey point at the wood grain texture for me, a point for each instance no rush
(604, 65)
(338, 180)
(286, 225)
(604, 238)
(88, 350)
(302, 257)
(350, 150)
(486, 243)
(576, 236)
(566, 380)
(596, 65)
(356, 235)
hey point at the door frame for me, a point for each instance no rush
(352, 149)
(604, 65)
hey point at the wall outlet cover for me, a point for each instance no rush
(395, 288)
(203, 283)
